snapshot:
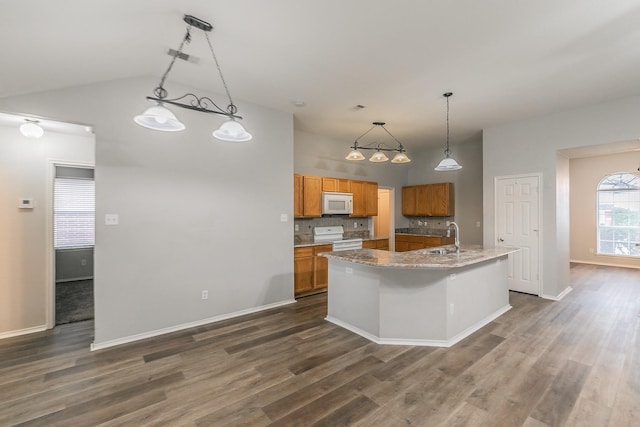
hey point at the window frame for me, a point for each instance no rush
(627, 184)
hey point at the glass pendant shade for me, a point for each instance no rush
(401, 158)
(448, 164)
(31, 129)
(355, 155)
(159, 118)
(379, 157)
(232, 131)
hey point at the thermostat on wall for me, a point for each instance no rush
(25, 204)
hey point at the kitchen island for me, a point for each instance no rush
(420, 297)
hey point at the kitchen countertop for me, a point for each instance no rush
(303, 243)
(420, 258)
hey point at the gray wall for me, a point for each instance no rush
(319, 155)
(26, 248)
(467, 184)
(531, 147)
(195, 213)
(74, 264)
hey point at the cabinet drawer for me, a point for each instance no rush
(305, 252)
(322, 248)
(415, 239)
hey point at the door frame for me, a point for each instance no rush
(50, 256)
(538, 176)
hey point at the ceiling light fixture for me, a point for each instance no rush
(31, 129)
(159, 117)
(379, 147)
(448, 163)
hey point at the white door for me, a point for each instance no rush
(518, 225)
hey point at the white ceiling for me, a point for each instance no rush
(504, 60)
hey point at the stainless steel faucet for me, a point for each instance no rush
(457, 236)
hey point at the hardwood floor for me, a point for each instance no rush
(574, 362)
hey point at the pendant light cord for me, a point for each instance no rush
(447, 151)
(160, 91)
(232, 109)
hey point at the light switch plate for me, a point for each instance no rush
(284, 217)
(111, 219)
(25, 203)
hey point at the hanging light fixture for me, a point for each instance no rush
(31, 129)
(379, 155)
(448, 163)
(159, 117)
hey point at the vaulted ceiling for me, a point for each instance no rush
(504, 60)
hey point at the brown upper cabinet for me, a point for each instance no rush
(336, 184)
(307, 196)
(428, 200)
(365, 198)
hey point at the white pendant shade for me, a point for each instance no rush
(159, 118)
(448, 164)
(401, 158)
(232, 131)
(31, 129)
(355, 155)
(379, 157)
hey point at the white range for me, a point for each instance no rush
(335, 235)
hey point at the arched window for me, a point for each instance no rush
(619, 215)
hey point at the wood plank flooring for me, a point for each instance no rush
(574, 362)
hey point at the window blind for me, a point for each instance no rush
(73, 212)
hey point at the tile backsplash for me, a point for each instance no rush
(305, 227)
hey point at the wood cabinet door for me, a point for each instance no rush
(303, 270)
(336, 184)
(402, 246)
(312, 195)
(369, 244)
(320, 267)
(382, 244)
(297, 196)
(371, 198)
(329, 184)
(344, 186)
(441, 199)
(409, 201)
(358, 190)
(423, 200)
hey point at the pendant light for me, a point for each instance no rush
(448, 163)
(379, 156)
(159, 117)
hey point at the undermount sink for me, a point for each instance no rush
(440, 251)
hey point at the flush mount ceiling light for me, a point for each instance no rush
(379, 147)
(448, 163)
(31, 129)
(159, 117)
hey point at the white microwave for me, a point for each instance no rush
(337, 203)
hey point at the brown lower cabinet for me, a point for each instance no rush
(382, 244)
(310, 271)
(412, 242)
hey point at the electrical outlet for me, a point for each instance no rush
(355, 225)
(205, 294)
(296, 227)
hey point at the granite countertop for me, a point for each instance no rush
(423, 231)
(420, 258)
(301, 243)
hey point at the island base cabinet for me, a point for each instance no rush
(417, 306)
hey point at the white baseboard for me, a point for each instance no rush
(155, 333)
(560, 296)
(422, 342)
(604, 264)
(25, 331)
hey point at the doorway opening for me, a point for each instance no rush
(73, 238)
(384, 222)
